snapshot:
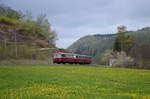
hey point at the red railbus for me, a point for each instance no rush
(71, 58)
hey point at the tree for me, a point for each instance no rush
(117, 45)
(141, 55)
(46, 32)
(128, 43)
(123, 41)
(40, 28)
(122, 29)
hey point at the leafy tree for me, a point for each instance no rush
(123, 42)
(129, 42)
(39, 28)
(117, 45)
(46, 31)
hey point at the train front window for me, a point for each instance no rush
(57, 56)
(63, 55)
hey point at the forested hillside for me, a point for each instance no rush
(22, 36)
(93, 44)
(97, 44)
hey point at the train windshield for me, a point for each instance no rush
(63, 55)
(57, 56)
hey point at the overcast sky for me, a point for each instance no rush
(72, 19)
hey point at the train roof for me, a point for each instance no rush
(72, 54)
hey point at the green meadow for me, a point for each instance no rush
(73, 82)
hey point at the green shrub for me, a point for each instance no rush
(10, 21)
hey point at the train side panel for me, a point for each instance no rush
(71, 58)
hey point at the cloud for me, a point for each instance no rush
(73, 19)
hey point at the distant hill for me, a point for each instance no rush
(97, 44)
(93, 44)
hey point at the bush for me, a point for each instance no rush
(123, 61)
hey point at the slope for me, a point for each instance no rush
(96, 44)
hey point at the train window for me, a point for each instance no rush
(59, 56)
(63, 55)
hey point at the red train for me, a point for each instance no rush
(71, 58)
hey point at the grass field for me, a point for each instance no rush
(73, 82)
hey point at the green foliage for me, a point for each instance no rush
(93, 45)
(117, 45)
(46, 31)
(9, 21)
(13, 15)
(124, 42)
(73, 82)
